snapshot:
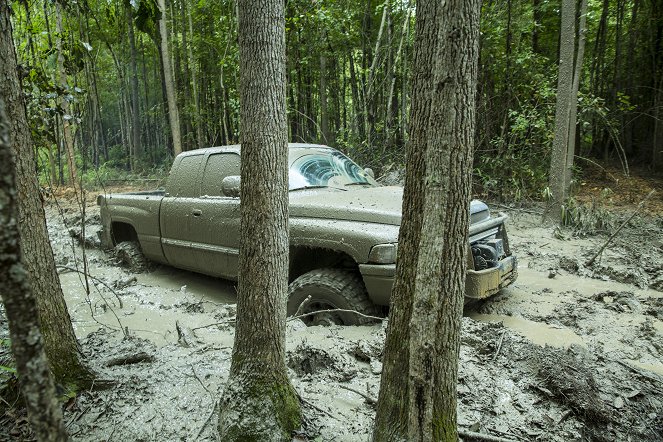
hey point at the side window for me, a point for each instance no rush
(219, 166)
(183, 181)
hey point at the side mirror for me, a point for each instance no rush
(230, 186)
(368, 171)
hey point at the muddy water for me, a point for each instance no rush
(537, 332)
(148, 308)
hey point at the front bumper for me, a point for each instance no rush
(479, 284)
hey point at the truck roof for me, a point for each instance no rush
(236, 148)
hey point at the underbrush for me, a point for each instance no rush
(588, 219)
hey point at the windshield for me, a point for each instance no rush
(324, 168)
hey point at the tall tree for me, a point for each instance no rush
(67, 119)
(423, 336)
(37, 386)
(259, 402)
(59, 339)
(563, 147)
(173, 112)
(136, 145)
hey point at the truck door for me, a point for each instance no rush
(216, 228)
(177, 216)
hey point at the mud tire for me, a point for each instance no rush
(131, 256)
(331, 289)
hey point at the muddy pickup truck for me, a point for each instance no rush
(343, 230)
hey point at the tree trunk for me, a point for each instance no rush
(59, 338)
(173, 113)
(423, 336)
(573, 111)
(369, 100)
(68, 138)
(37, 388)
(135, 111)
(200, 137)
(557, 172)
(324, 110)
(259, 402)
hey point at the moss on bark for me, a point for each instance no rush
(257, 409)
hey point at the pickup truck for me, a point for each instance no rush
(343, 231)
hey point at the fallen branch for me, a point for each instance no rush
(301, 306)
(481, 436)
(315, 407)
(653, 377)
(369, 399)
(229, 321)
(185, 336)
(637, 209)
(499, 345)
(209, 418)
(130, 359)
(292, 318)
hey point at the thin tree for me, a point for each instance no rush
(417, 400)
(67, 130)
(173, 112)
(259, 402)
(60, 341)
(44, 413)
(568, 82)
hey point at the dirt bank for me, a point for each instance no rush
(570, 352)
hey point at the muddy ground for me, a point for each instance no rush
(569, 352)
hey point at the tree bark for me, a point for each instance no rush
(135, 110)
(259, 402)
(557, 172)
(67, 118)
(59, 339)
(573, 111)
(423, 336)
(173, 113)
(324, 109)
(37, 388)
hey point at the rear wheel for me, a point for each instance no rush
(130, 255)
(330, 296)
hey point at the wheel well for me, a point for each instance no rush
(123, 232)
(305, 259)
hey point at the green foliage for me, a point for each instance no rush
(107, 175)
(7, 367)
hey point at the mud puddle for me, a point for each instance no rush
(536, 332)
(145, 305)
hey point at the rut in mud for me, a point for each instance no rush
(569, 352)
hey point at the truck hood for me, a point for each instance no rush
(381, 205)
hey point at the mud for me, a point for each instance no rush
(569, 352)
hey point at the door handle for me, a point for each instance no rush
(197, 212)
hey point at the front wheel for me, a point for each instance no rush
(330, 296)
(130, 254)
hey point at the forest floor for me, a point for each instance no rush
(570, 352)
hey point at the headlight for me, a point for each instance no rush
(384, 253)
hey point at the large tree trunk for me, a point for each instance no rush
(37, 386)
(259, 403)
(556, 174)
(423, 336)
(173, 113)
(59, 339)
